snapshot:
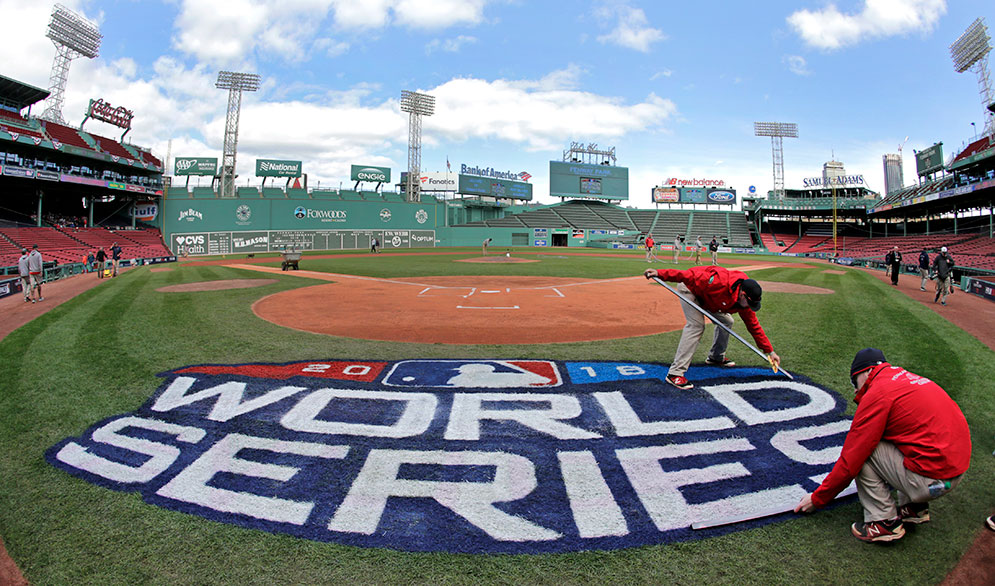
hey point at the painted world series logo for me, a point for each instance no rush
(482, 456)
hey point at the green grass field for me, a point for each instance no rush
(97, 356)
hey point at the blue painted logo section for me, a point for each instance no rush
(483, 456)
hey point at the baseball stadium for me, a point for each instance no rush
(278, 383)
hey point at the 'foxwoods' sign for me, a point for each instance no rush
(468, 455)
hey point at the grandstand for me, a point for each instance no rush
(730, 227)
(71, 245)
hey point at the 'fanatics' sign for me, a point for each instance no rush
(516, 456)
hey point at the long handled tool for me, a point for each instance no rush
(719, 324)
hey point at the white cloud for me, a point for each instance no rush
(796, 64)
(449, 45)
(659, 74)
(228, 31)
(632, 29)
(538, 115)
(416, 14)
(831, 29)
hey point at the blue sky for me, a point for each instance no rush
(674, 86)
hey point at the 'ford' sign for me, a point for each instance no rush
(721, 197)
(468, 455)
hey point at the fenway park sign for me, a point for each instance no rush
(468, 455)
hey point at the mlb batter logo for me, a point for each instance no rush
(503, 374)
(516, 456)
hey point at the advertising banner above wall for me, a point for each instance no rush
(276, 168)
(206, 166)
(370, 173)
(665, 195)
(433, 181)
(721, 196)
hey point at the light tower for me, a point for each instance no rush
(417, 105)
(970, 51)
(74, 36)
(776, 131)
(235, 83)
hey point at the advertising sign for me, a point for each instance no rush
(146, 211)
(841, 181)
(929, 160)
(665, 195)
(206, 166)
(276, 168)
(721, 196)
(369, 173)
(438, 181)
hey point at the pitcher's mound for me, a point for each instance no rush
(496, 259)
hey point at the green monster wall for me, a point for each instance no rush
(201, 226)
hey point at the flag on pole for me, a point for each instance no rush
(448, 168)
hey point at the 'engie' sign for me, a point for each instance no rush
(468, 455)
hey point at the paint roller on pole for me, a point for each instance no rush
(719, 324)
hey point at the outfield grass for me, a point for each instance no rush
(97, 356)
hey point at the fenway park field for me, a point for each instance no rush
(417, 418)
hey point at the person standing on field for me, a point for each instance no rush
(115, 258)
(484, 246)
(721, 292)
(677, 248)
(943, 265)
(713, 247)
(907, 436)
(25, 274)
(101, 262)
(35, 264)
(697, 251)
(649, 243)
(894, 261)
(923, 269)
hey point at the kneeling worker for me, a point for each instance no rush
(907, 435)
(721, 292)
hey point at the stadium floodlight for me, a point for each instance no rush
(416, 105)
(777, 131)
(970, 51)
(74, 36)
(235, 83)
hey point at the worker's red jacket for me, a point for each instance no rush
(911, 412)
(649, 242)
(717, 290)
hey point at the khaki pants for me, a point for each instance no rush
(943, 287)
(884, 471)
(677, 253)
(693, 330)
(924, 275)
(36, 283)
(26, 286)
(697, 256)
(715, 258)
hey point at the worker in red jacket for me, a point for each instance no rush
(721, 292)
(907, 435)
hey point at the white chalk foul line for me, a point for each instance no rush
(478, 307)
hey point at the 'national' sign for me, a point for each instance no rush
(468, 455)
